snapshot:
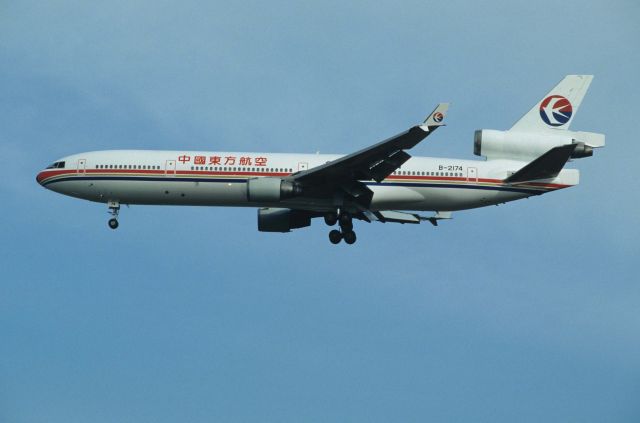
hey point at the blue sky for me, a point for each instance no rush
(523, 312)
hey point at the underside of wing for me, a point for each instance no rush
(343, 178)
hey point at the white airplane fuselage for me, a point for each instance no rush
(220, 179)
(379, 183)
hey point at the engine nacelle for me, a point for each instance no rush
(530, 145)
(271, 190)
(282, 220)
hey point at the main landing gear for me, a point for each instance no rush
(346, 227)
(114, 209)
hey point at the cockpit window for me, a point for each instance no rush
(56, 165)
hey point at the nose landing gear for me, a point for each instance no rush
(114, 209)
(346, 227)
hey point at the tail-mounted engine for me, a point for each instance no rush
(529, 145)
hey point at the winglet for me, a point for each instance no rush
(436, 118)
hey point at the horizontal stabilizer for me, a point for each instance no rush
(547, 166)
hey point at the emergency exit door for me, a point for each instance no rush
(82, 165)
(472, 174)
(170, 168)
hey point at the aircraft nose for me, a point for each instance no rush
(40, 177)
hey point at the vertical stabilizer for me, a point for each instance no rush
(556, 110)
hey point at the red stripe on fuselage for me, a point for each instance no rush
(47, 174)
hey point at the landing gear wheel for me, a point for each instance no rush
(330, 218)
(335, 236)
(349, 237)
(114, 209)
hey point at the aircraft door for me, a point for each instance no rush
(472, 174)
(302, 166)
(170, 168)
(82, 166)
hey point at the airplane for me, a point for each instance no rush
(380, 183)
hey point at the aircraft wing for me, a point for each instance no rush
(373, 163)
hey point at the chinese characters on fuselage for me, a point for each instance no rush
(223, 160)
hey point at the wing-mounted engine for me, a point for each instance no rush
(271, 190)
(526, 146)
(282, 220)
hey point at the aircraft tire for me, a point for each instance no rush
(335, 236)
(330, 218)
(349, 237)
(113, 223)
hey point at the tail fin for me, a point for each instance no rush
(556, 110)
